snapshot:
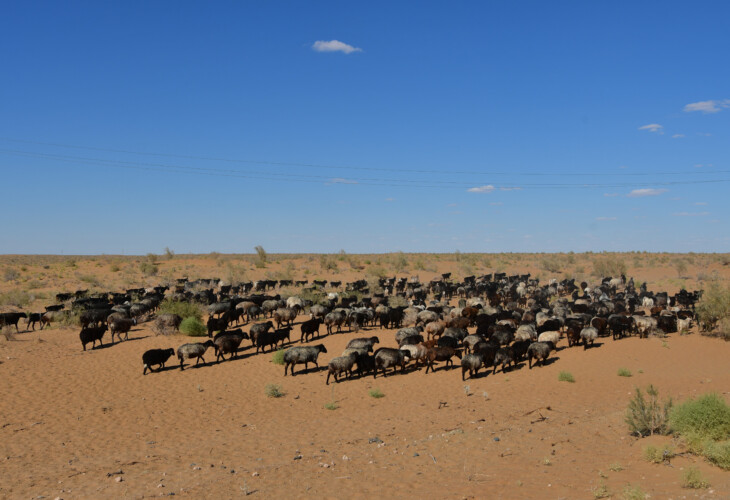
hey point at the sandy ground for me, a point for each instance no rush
(77, 424)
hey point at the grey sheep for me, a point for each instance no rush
(588, 335)
(339, 365)
(364, 342)
(471, 363)
(194, 350)
(407, 332)
(470, 341)
(121, 326)
(166, 322)
(257, 329)
(503, 358)
(302, 355)
(539, 351)
(284, 315)
(156, 357)
(385, 357)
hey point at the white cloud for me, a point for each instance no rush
(334, 46)
(638, 193)
(481, 189)
(340, 180)
(677, 136)
(610, 195)
(510, 188)
(712, 106)
(691, 214)
(652, 127)
(606, 218)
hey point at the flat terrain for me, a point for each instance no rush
(80, 424)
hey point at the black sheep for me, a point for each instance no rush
(91, 335)
(156, 357)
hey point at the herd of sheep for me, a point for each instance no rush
(493, 321)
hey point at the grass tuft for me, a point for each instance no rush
(658, 455)
(647, 416)
(376, 393)
(278, 357)
(193, 327)
(274, 391)
(624, 372)
(566, 377)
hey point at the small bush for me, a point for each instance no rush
(193, 327)
(646, 417)
(624, 372)
(609, 266)
(148, 268)
(169, 254)
(692, 478)
(601, 491)
(274, 391)
(616, 467)
(11, 274)
(714, 307)
(718, 453)
(376, 393)
(278, 357)
(332, 405)
(261, 256)
(17, 298)
(633, 493)
(566, 377)
(182, 309)
(704, 418)
(658, 455)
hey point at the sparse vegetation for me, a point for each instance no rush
(274, 391)
(601, 491)
(17, 298)
(376, 393)
(609, 266)
(633, 493)
(261, 256)
(692, 479)
(646, 417)
(193, 327)
(566, 377)
(624, 372)
(332, 405)
(658, 455)
(615, 467)
(713, 310)
(148, 268)
(183, 309)
(11, 274)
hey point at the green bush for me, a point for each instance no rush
(718, 453)
(182, 309)
(645, 417)
(278, 357)
(714, 308)
(193, 327)
(609, 266)
(692, 478)
(624, 372)
(17, 298)
(633, 493)
(658, 455)
(566, 377)
(148, 268)
(331, 406)
(704, 418)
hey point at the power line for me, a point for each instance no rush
(375, 169)
(167, 168)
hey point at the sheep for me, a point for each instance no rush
(96, 317)
(503, 357)
(519, 348)
(335, 318)
(318, 311)
(91, 335)
(309, 328)
(417, 352)
(434, 329)
(385, 357)
(302, 355)
(364, 342)
(34, 318)
(441, 353)
(228, 343)
(365, 364)
(156, 357)
(411, 340)
(447, 341)
(540, 351)
(357, 350)
(683, 324)
(458, 333)
(284, 315)
(51, 317)
(425, 317)
(526, 332)
(588, 334)
(470, 341)
(121, 326)
(258, 329)
(549, 336)
(471, 363)
(488, 350)
(194, 350)
(644, 324)
(11, 318)
(407, 332)
(217, 324)
(342, 364)
(272, 339)
(167, 322)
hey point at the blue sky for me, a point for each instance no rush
(129, 127)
